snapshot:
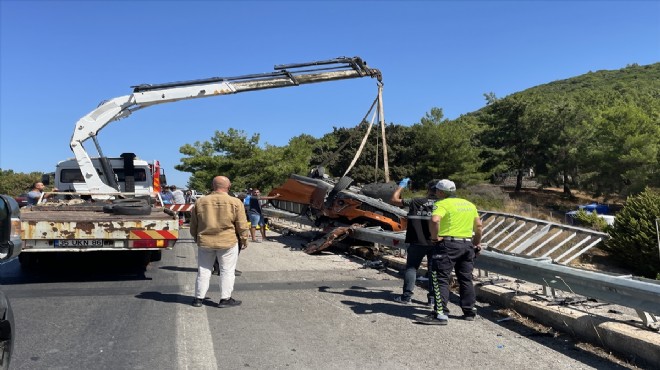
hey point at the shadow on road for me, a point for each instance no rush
(389, 308)
(174, 298)
(167, 297)
(179, 268)
(76, 267)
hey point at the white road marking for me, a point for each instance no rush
(193, 335)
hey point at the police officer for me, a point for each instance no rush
(456, 234)
(417, 235)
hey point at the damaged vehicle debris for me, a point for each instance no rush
(338, 207)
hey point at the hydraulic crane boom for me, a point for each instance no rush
(146, 95)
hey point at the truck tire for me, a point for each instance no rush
(132, 209)
(156, 256)
(342, 184)
(128, 201)
(143, 260)
(380, 191)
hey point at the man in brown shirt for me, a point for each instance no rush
(218, 221)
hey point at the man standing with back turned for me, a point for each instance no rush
(417, 235)
(218, 221)
(456, 234)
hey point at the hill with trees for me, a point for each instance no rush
(598, 132)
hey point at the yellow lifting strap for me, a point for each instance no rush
(381, 119)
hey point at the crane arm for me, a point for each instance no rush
(146, 95)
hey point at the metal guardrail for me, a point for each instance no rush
(509, 233)
(642, 295)
(537, 251)
(537, 238)
(288, 215)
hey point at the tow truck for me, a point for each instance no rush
(107, 207)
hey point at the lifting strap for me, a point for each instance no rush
(350, 137)
(381, 119)
(364, 141)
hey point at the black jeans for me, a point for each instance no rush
(445, 257)
(414, 257)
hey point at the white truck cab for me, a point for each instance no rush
(69, 178)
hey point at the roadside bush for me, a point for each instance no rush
(590, 219)
(634, 240)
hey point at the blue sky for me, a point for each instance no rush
(60, 59)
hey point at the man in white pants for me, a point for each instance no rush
(218, 221)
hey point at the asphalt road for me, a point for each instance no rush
(299, 312)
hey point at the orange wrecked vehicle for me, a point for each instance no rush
(339, 204)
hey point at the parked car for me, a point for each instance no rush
(10, 246)
(22, 200)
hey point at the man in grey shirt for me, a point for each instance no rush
(177, 195)
(34, 195)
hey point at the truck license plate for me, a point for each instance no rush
(78, 243)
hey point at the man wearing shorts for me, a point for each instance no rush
(256, 216)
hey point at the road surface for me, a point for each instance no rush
(299, 312)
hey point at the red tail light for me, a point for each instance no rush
(150, 243)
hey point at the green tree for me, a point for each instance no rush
(370, 166)
(623, 157)
(275, 164)
(227, 154)
(240, 158)
(446, 149)
(595, 132)
(634, 236)
(336, 151)
(565, 132)
(514, 129)
(14, 183)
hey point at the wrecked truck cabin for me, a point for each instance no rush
(338, 207)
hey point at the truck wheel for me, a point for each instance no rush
(143, 259)
(156, 256)
(379, 190)
(128, 201)
(342, 184)
(132, 209)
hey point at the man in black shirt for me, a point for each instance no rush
(417, 234)
(255, 215)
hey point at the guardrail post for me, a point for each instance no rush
(647, 318)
